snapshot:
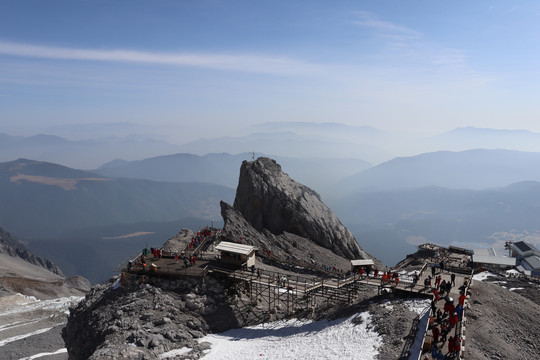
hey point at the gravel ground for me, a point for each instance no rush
(47, 342)
(502, 324)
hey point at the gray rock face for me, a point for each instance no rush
(143, 320)
(14, 248)
(270, 200)
(296, 249)
(178, 242)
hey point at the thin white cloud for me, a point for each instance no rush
(409, 44)
(385, 28)
(243, 62)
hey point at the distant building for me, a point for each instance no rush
(460, 250)
(491, 261)
(521, 249)
(356, 265)
(236, 254)
(527, 256)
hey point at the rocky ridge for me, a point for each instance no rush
(141, 321)
(34, 299)
(270, 200)
(15, 248)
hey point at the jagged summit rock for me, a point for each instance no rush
(271, 202)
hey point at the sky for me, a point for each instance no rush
(212, 68)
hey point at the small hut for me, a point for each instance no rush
(236, 254)
(365, 264)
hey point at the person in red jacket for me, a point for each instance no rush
(436, 293)
(435, 331)
(453, 320)
(451, 309)
(462, 298)
(451, 344)
(457, 345)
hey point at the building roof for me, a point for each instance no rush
(362, 262)
(235, 248)
(523, 246)
(485, 252)
(494, 260)
(533, 262)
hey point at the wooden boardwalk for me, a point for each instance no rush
(300, 291)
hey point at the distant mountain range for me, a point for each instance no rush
(389, 223)
(42, 198)
(92, 145)
(222, 169)
(81, 154)
(472, 169)
(469, 137)
(290, 144)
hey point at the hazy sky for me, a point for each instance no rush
(215, 66)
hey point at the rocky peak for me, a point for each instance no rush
(15, 248)
(270, 200)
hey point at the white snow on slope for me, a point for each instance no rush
(18, 303)
(59, 351)
(418, 306)
(174, 353)
(483, 275)
(19, 337)
(295, 339)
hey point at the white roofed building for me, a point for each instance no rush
(361, 263)
(236, 254)
(490, 261)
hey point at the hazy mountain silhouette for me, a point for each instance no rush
(472, 169)
(291, 144)
(389, 222)
(471, 137)
(43, 198)
(86, 154)
(222, 169)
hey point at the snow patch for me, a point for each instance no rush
(116, 284)
(348, 338)
(17, 299)
(18, 324)
(418, 306)
(59, 351)
(483, 275)
(387, 305)
(173, 353)
(512, 272)
(21, 303)
(514, 289)
(19, 337)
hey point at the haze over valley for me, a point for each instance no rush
(470, 198)
(198, 179)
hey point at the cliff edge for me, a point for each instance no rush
(273, 203)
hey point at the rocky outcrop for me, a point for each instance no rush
(179, 242)
(272, 202)
(25, 273)
(145, 320)
(14, 248)
(290, 248)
